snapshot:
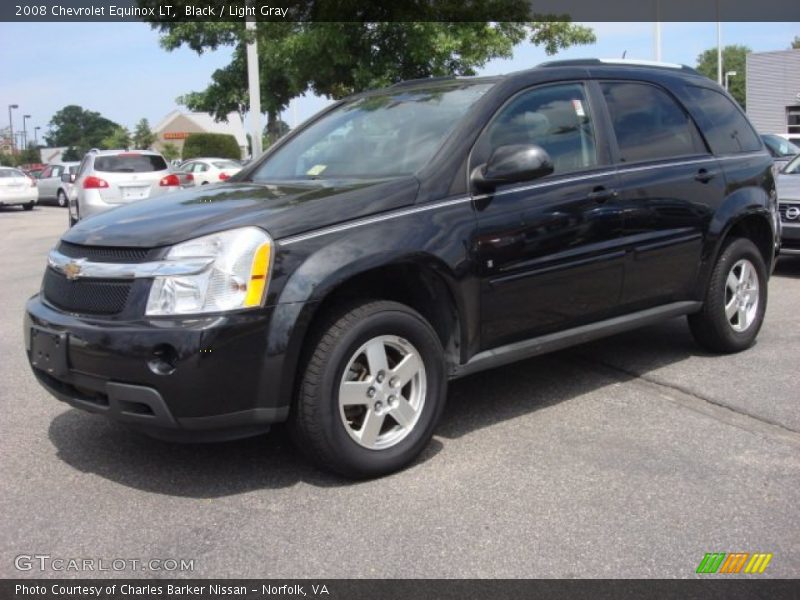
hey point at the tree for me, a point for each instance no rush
(796, 43)
(311, 50)
(220, 145)
(119, 138)
(734, 58)
(29, 156)
(72, 154)
(170, 151)
(280, 128)
(143, 138)
(79, 128)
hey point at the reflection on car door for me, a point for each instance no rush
(669, 185)
(548, 251)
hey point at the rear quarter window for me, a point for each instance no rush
(130, 163)
(726, 129)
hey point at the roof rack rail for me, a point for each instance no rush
(624, 62)
(408, 82)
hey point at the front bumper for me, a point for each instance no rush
(790, 238)
(196, 378)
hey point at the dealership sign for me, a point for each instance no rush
(176, 135)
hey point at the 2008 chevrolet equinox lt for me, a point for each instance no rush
(408, 236)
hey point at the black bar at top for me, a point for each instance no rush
(405, 10)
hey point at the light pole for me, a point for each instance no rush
(36, 136)
(11, 126)
(25, 132)
(728, 75)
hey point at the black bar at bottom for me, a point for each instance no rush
(713, 587)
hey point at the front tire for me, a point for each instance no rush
(61, 198)
(735, 302)
(372, 392)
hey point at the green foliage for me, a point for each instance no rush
(734, 58)
(274, 131)
(83, 129)
(170, 151)
(796, 43)
(119, 139)
(72, 154)
(383, 46)
(29, 156)
(211, 144)
(7, 160)
(143, 138)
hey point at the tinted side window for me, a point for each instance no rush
(729, 130)
(557, 118)
(648, 122)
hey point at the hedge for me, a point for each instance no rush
(216, 145)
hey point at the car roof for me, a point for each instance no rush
(96, 152)
(591, 66)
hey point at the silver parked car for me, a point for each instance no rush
(110, 178)
(52, 187)
(780, 149)
(789, 206)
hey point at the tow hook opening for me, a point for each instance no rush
(164, 361)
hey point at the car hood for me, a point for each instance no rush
(788, 187)
(280, 209)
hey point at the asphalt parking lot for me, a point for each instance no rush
(628, 457)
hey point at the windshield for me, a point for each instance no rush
(781, 146)
(387, 135)
(793, 168)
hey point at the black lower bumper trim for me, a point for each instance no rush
(145, 409)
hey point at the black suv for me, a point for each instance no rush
(406, 237)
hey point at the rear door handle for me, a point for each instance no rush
(704, 176)
(601, 194)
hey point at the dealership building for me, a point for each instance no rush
(177, 126)
(773, 91)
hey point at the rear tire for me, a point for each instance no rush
(735, 302)
(28, 206)
(372, 392)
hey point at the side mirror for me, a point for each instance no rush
(512, 164)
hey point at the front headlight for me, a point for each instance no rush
(237, 277)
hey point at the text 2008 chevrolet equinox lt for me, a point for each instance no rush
(406, 237)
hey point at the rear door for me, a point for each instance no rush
(669, 186)
(548, 250)
(49, 181)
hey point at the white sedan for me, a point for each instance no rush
(17, 188)
(210, 170)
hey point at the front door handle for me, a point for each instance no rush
(601, 194)
(704, 176)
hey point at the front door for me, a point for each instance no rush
(548, 251)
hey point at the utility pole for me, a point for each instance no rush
(254, 84)
(11, 127)
(719, 47)
(657, 33)
(25, 132)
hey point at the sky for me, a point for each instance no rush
(121, 71)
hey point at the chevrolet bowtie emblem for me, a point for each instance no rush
(72, 269)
